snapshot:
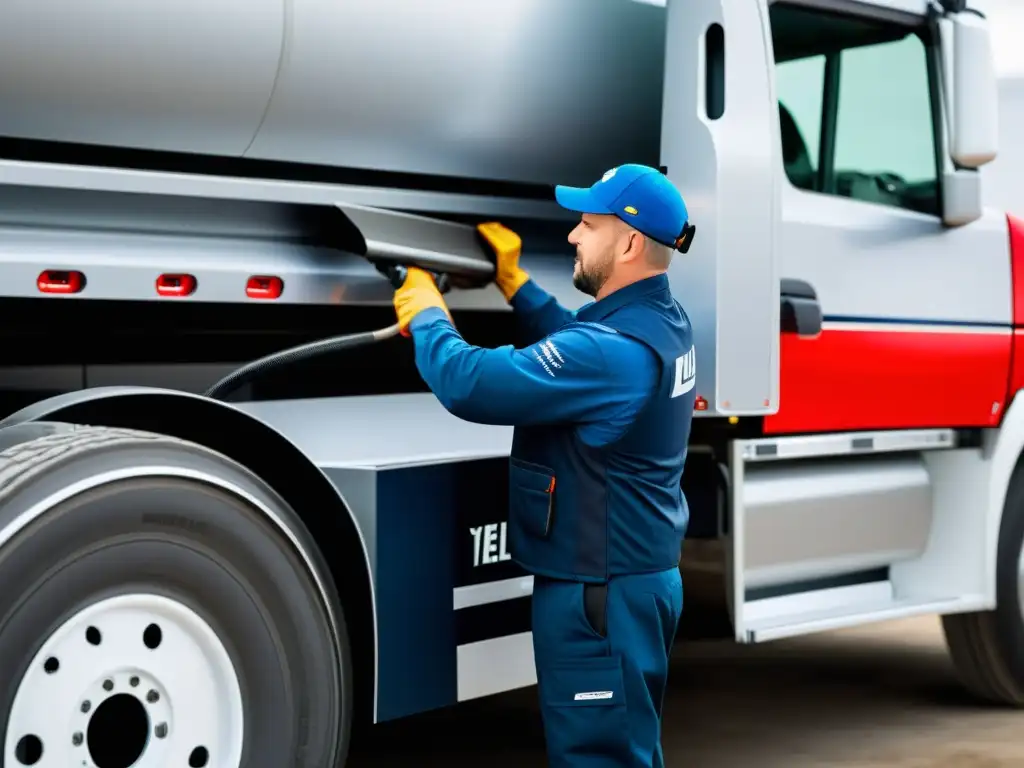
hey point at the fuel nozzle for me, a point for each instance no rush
(396, 274)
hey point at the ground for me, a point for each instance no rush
(874, 696)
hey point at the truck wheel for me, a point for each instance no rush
(161, 606)
(987, 647)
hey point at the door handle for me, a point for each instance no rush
(800, 309)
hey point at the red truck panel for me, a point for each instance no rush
(1016, 227)
(882, 376)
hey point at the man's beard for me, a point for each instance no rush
(590, 281)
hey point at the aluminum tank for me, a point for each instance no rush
(523, 90)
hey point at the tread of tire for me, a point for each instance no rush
(20, 462)
(973, 638)
(977, 663)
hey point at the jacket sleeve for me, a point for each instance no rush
(538, 313)
(565, 377)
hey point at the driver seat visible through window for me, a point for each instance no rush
(795, 156)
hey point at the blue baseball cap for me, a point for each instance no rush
(641, 196)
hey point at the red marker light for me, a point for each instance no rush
(175, 285)
(60, 281)
(700, 404)
(264, 287)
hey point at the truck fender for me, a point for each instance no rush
(257, 446)
(26, 432)
(1003, 448)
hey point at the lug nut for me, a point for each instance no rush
(86, 706)
(161, 730)
(77, 739)
(152, 697)
(108, 685)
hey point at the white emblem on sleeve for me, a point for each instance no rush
(549, 357)
(543, 364)
(686, 373)
(551, 353)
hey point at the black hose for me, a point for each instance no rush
(396, 276)
(250, 371)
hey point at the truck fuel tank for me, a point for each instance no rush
(528, 91)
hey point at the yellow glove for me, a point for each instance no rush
(509, 276)
(418, 292)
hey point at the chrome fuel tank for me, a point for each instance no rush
(180, 75)
(522, 90)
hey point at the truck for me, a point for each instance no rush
(254, 579)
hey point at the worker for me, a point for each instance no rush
(601, 400)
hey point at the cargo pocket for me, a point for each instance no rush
(531, 497)
(585, 718)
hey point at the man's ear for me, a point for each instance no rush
(635, 244)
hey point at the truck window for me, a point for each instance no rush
(800, 84)
(855, 109)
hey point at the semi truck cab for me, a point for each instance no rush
(803, 159)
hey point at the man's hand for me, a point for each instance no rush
(509, 276)
(418, 292)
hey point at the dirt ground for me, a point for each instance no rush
(882, 695)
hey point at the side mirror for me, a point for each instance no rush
(961, 197)
(971, 110)
(971, 91)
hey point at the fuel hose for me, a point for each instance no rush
(396, 275)
(389, 240)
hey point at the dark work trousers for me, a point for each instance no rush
(602, 656)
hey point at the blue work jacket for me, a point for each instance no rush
(602, 401)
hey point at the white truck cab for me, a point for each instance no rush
(865, 177)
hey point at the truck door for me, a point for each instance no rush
(915, 333)
(719, 142)
(916, 315)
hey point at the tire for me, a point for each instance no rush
(987, 647)
(159, 597)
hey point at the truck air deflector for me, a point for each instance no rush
(382, 235)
